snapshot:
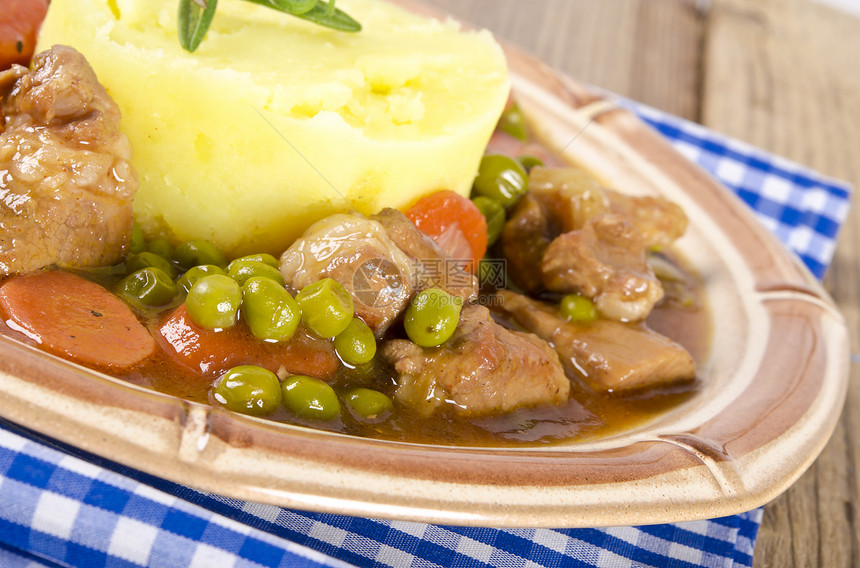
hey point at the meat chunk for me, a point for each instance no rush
(559, 200)
(66, 185)
(604, 261)
(659, 221)
(482, 369)
(610, 356)
(432, 268)
(358, 253)
(525, 238)
(572, 196)
(571, 235)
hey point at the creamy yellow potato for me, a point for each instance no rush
(275, 122)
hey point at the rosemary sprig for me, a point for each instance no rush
(195, 16)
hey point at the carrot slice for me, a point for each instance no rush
(209, 352)
(20, 21)
(75, 318)
(455, 223)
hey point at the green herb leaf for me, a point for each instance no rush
(294, 7)
(322, 13)
(195, 17)
(325, 14)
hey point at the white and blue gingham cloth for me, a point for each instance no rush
(61, 507)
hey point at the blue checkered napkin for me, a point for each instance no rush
(61, 507)
(58, 509)
(725, 543)
(12, 558)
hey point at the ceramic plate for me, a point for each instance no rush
(773, 385)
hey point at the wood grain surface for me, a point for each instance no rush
(783, 75)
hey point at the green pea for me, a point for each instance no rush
(368, 403)
(263, 257)
(356, 344)
(327, 307)
(432, 317)
(240, 270)
(513, 123)
(149, 286)
(198, 251)
(213, 301)
(269, 310)
(501, 178)
(530, 162)
(365, 373)
(310, 398)
(138, 241)
(161, 247)
(195, 273)
(577, 308)
(249, 389)
(135, 262)
(494, 213)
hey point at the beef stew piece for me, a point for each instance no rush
(524, 240)
(659, 221)
(358, 253)
(570, 196)
(569, 206)
(482, 369)
(573, 196)
(430, 265)
(611, 356)
(604, 261)
(67, 185)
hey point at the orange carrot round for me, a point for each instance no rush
(208, 352)
(455, 223)
(20, 21)
(76, 319)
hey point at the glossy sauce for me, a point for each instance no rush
(586, 416)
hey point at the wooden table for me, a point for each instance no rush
(780, 74)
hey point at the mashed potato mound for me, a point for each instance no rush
(275, 122)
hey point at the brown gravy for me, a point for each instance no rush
(586, 416)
